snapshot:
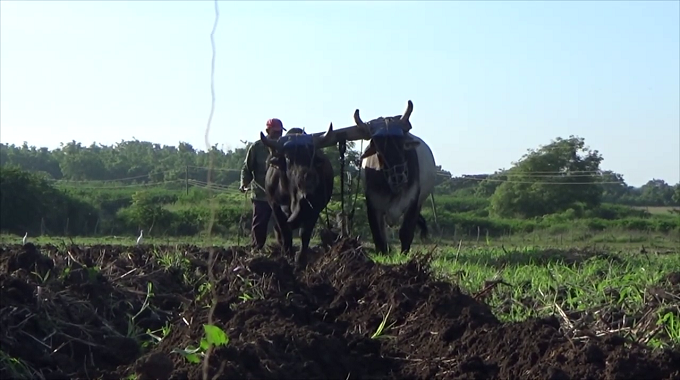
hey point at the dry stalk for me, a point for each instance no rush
(566, 322)
(488, 288)
(460, 243)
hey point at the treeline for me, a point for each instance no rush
(133, 185)
(134, 161)
(130, 162)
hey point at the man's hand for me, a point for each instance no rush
(243, 188)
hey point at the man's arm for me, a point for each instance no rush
(247, 169)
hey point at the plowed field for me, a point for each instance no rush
(124, 312)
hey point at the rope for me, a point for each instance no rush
(342, 147)
(241, 230)
(356, 192)
(328, 219)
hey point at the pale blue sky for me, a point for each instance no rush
(488, 79)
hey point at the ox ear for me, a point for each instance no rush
(411, 144)
(369, 151)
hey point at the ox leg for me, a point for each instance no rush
(377, 224)
(408, 228)
(283, 233)
(306, 231)
(422, 223)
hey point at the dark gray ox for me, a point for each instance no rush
(399, 175)
(298, 184)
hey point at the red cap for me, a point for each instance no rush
(275, 125)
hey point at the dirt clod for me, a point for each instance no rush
(673, 278)
(155, 366)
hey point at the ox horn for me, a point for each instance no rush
(270, 143)
(407, 115)
(363, 126)
(322, 141)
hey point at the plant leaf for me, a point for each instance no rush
(215, 335)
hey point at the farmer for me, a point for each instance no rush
(253, 172)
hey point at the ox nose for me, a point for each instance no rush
(397, 176)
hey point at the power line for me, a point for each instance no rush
(440, 173)
(447, 173)
(556, 172)
(218, 169)
(148, 184)
(213, 185)
(528, 175)
(116, 180)
(228, 188)
(542, 182)
(562, 175)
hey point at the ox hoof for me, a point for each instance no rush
(301, 260)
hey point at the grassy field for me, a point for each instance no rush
(586, 283)
(615, 239)
(658, 210)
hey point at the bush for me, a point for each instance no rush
(610, 211)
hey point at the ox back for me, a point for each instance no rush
(385, 208)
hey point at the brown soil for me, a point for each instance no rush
(67, 313)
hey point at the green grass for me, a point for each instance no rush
(587, 284)
(574, 238)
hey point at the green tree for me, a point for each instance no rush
(676, 194)
(145, 212)
(657, 193)
(551, 179)
(29, 203)
(24, 197)
(613, 186)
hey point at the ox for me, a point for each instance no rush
(399, 175)
(298, 184)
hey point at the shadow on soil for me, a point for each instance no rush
(88, 312)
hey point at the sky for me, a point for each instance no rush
(488, 80)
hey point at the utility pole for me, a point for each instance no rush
(186, 179)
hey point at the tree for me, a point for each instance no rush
(657, 193)
(29, 203)
(551, 179)
(614, 187)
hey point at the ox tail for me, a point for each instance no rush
(423, 226)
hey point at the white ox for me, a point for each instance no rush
(399, 174)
